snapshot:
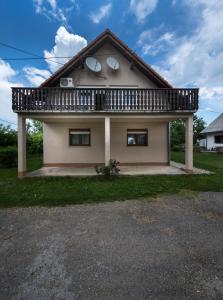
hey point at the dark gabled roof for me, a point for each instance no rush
(215, 126)
(107, 35)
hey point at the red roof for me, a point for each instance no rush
(107, 36)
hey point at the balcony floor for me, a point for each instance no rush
(173, 169)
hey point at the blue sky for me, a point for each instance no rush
(181, 39)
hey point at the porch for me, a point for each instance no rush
(173, 169)
(109, 134)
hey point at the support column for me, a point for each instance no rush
(189, 144)
(21, 146)
(168, 143)
(107, 140)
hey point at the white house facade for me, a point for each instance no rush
(213, 135)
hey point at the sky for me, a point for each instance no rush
(181, 39)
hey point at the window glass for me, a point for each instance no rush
(141, 139)
(137, 137)
(85, 139)
(131, 139)
(80, 137)
(218, 139)
(75, 139)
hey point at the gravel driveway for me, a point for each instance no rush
(170, 248)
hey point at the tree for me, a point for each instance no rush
(37, 126)
(177, 130)
(8, 136)
(34, 137)
(198, 125)
(34, 126)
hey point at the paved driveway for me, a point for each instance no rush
(171, 248)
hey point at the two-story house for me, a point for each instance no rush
(106, 102)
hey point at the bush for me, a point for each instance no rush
(35, 143)
(8, 156)
(8, 136)
(111, 169)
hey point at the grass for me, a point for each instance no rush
(209, 161)
(62, 191)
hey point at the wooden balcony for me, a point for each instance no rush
(104, 100)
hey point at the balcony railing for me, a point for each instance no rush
(108, 100)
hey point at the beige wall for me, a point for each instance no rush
(108, 78)
(156, 151)
(57, 149)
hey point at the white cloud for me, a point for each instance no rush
(53, 10)
(66, 45)
(153, 47)
(212, 98)
(142, 8)
(150, 34)
(7, 73)
(102, 12)
(197, 59)
(36, 76)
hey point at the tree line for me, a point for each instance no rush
(8, 142)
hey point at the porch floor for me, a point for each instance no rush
(173, 169)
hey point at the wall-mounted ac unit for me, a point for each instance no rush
(66, 82)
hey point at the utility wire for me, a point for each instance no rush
(26, 52)
(32, 58)
(49, 58)
(8, 122)
(211, 111)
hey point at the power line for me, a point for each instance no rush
(210, 110)
(32, 58)
(8, 122)
(27, 52)
(49, 58)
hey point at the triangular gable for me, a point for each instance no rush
(106, 36)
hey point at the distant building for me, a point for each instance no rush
(213, 134)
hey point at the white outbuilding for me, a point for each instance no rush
(213, 134)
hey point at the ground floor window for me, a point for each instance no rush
(137, 137)
(79, 137)
(218, 139)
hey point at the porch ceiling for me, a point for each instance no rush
(52, 118)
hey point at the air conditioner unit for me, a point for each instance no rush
(66, 82)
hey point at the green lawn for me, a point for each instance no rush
(62, 191)
(208, 161)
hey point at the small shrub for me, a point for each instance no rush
(111, 169)
(8, 157)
